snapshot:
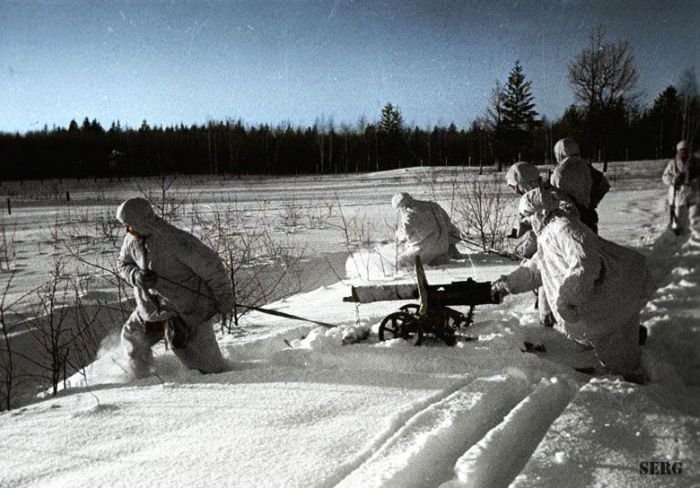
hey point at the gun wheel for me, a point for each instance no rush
(456, 320)
(401, 325)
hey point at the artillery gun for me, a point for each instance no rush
(432, 314)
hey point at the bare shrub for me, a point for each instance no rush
(8, 373)
(64, 331)
(291, 215)
(319, 216)
(167, 202)
(358, 230)
(8, 249)
(480, 206)
(108, 229)
(262, 268)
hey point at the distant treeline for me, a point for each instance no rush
(88, 150)
(233, 148)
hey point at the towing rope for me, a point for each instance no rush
(267, 311)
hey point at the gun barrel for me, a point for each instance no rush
(369, 294)
(468, 292)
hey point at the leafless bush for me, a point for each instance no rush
(108, 229)
(291, 213)
(262, 268)
(166, 202)
(14, 378)
(357, 230)
(64, 330)
(8, 250)
(481, 209)
(8, 374)
(319, 216)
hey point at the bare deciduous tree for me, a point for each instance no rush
(603, 77)
(688, 89)
(494, 121)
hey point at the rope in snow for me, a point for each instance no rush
(267, 311)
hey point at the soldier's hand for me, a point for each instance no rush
(146, 279)
(499, 290)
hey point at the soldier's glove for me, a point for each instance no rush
(145, 279)
(499, 290)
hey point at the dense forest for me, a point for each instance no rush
(608, 120)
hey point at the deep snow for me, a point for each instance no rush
(321, 414)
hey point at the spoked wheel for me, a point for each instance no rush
(446, 323)
(410, 308)
(455, 320)
(401, 325)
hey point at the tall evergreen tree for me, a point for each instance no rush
(666, 120)
(390, 128)
(519, 114)
(391, 120)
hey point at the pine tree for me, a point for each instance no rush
(391, 120)
(519, 114)
(666, 118)
(518, 105)
(390, 127)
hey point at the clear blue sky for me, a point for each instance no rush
(302, 60)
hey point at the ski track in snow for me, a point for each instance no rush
(500, 455)
(423, 451)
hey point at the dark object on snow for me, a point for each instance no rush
(549, 320)
(642, 335)
(177, 332)
(530, 347)
(432, 315)
(174, 330)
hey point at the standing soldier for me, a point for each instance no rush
(179, 286)
(585, 185)
(682, 175)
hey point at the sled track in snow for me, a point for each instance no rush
(477, 434)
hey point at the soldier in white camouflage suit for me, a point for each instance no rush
(596, 288)
(682, 175)
(424, 229)
(179, 286)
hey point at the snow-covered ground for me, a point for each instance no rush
(299, 408)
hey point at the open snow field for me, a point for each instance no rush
(299, 408)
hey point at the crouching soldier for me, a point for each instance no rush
(424, 229)
(523, 177)
(179, 286)
(595, 287)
